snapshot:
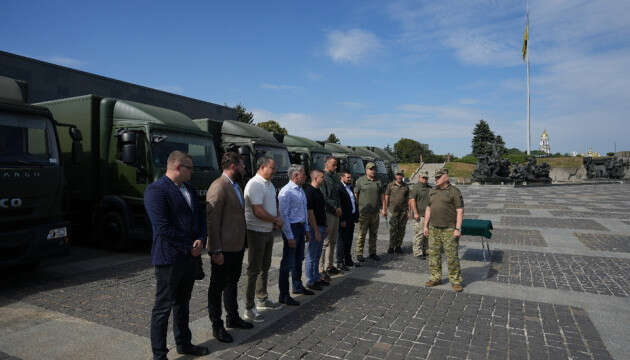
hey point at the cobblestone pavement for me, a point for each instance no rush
(543, 222)
(557, 287)
(372, 320)
(586, 214)
(605, 242)
(513, 237)
(592, 274)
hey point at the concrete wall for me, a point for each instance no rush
(49, 81)
(567, 174)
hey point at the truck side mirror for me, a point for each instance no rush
(127, 141)
(77, 147)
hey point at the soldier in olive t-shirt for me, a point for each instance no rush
(443, 221)
(369, 192)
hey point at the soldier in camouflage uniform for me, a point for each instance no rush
(369, 193)
(418, 200)
(443, 225)
(397, 202)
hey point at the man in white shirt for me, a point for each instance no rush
(261, 216)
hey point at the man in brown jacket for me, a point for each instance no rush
(226, 245)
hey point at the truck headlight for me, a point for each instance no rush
(57, 233)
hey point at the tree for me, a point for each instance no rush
(243, 115)
(500, 145)
(272, 126)
(408, 150)
(482, 137)
(332, 138)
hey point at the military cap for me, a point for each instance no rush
(369, 165)
(441, 172)
(400, 172)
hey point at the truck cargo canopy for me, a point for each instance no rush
(292, 140)
(237, 128)
(10, 90)
(128, 110)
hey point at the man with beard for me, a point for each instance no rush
(226, 245)
(349, 216)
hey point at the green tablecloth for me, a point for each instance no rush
(476, 227)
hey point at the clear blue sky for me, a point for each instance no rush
(370, 71)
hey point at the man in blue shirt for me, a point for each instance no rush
(295, 228)
(179, 236)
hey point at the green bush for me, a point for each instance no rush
(468, 159)
(516, 158)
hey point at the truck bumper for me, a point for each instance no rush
(30, 245)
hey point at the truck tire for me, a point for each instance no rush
(112, 232)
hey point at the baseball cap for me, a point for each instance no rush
(441, 172)
(370, 165)
(400, 172)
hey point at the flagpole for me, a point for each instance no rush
(528, 113)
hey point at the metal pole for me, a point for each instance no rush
(528, 114)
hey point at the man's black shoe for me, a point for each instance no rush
(193, 350)
(303, 292)
(375, 257)
(314, 286)
(389, 251)
(289, 301)
(349, 263)
(343, 268)
(332, 270)
(360, 258)
(398, 250)
(323, 283)
(222, 335)
(238, 323)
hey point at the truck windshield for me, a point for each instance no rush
(200, 148)
(356, 165)
(380, 167)
(27, 139)
(279, 155)
(318, 160)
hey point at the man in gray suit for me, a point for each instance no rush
(226, 245)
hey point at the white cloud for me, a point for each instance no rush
(468, 101)
(65, 61)
(278, 86)
(352, 46)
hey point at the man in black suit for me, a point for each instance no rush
(350, 215)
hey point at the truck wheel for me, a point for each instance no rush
(112, 232)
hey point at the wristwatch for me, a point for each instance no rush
(458, 229)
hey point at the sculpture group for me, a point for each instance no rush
(492, 169)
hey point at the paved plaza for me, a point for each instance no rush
(556, 286)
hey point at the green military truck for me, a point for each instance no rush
(306, 152)
(251, 142)
(126, 145)
(369, 156)
(348, 160)
(32, 222)
(389, 159)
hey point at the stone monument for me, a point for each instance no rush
(491, 169)
(531, 172)
(604, 168)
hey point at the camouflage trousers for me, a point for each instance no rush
(397, 224)
(442, 239)
(419, 240)
(367, 222)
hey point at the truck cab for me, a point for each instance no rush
(125, 149)
(348, 160)
(306, 152)
(32, 224)
(252, 143)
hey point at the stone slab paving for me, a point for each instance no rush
(505, 211)
(543, 222)
(373, 320)
(587, 214)
(605, 242)
(513, 237)
(592, 274)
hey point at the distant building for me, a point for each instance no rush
(544, 143)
